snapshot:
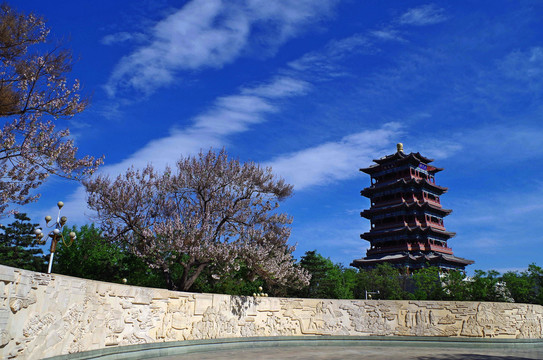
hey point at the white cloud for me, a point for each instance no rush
(499, 144)
(334, 161)
(210, 34)
(423, 15)
(228, 115)
(122, 36)
(323, 64)
(439, 148)
(387, 35)
(524, 65)
(281, 87)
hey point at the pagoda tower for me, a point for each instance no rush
(406, 216)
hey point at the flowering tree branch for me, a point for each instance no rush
(33, 85)
(211, 212)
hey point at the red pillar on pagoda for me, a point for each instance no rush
(407, 228)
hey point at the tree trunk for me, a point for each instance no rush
(169, 281)
(188, 280)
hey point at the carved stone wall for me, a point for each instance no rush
(44, 315)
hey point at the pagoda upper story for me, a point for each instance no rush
(406, 215)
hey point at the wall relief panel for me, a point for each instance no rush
(44, 315)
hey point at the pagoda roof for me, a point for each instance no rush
(406, 206)
(403, 182)
(372, 234)
(401, 157)
(418, 257)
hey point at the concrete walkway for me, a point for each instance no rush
(366, 352)
(324, 347)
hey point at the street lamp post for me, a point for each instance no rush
(55, 234)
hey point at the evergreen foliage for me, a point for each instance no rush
(385, 279)
(19, 246)
(92, 257)
(328, 280)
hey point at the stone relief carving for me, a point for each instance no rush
(50, 315)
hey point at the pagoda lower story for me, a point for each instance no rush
(407, 229)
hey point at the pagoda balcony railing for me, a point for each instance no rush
(411, 224)
(388, 226)
(410, 247)
(390, 181)
(443, 249)
(425, 224)
(387, 203)
(409, 201)
(430, 180)
(435, 225)
(433, 201)
(405, 247)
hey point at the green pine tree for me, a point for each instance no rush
(19, 246)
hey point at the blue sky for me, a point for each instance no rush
(317, 89)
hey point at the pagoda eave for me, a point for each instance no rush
(410, 206)
(372, 234)
(405, 258)
(400, 155)
(419, 183)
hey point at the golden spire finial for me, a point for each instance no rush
(399, 146)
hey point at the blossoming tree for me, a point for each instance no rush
(211, 211)
(33, 92)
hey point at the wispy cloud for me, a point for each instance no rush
(439, 148)
(524, 65)
(121, 37)
(211, 34)
(500, 144)
(323, 65)
(227, 116)
(280, 87)
(387, 34)
(334, 161)
(423, 15)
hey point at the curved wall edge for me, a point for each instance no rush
(45, 315)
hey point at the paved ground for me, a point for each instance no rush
(366, 352)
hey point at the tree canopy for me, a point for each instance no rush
(34, 90)
(211, 212)
(92, 256)
(328, 280)
(19, 246)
